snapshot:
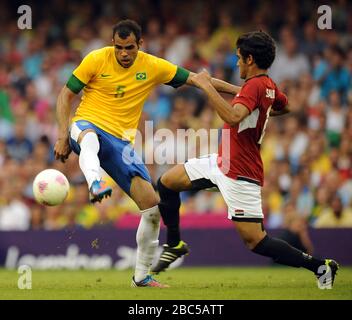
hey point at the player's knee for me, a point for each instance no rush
(149, 202)
(165, 191)
(154, 202)
(176, 179)
(165, 182)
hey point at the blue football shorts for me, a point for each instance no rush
(117, 157)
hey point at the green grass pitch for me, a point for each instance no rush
(228, 283)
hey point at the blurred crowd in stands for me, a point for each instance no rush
(307, 155)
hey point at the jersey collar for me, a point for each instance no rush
(257, 76)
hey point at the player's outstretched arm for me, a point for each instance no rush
(219, 85)
(63, 110)
(230, 114)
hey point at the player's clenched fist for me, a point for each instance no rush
(62, 149)
(201, 79)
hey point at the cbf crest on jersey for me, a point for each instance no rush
(141, 76)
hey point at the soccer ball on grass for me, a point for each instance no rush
(50, 187)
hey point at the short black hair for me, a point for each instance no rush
(258, 44)
(125, 27)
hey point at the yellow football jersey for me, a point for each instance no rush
(113, 96)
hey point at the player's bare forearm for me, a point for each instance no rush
(232, 115)
(225, 111)
(225, 87)
(219, 85)
(63, 110)
(62, 147)
(276, 113)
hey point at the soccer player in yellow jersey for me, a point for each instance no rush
(116, 81)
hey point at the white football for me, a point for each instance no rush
(50, 187)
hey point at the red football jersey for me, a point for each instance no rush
(240, 158)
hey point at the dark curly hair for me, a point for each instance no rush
(125, 27)
(258, 44)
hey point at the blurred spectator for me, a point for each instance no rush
(3, 154)
(335, 119)
(335, 216)
(201, 47)
(311, 45)
(71, 218)
(37, 217)
(225, 34)
(14, 213)
(157, 107)
(321, 203)
(153, 37)
(289, 63)
(177, 46)
(296, 230)
(331, 74)
(33, 61)
(87, 214)
(6, 116)
(54, 218)
(19, 147)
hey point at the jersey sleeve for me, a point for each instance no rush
(248, 96)
(280, 101)
(170, 74)
(83, 73)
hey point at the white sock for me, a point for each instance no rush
(147, 241)
(88, 157)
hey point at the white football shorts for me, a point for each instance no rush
(243, 198)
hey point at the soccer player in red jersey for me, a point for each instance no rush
(237, 169)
